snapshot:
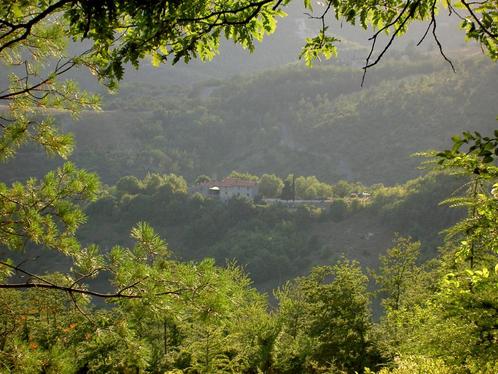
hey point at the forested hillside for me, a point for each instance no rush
(272, 242)
(287, 120)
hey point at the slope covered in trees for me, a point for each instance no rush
(274, 243)
(289, 120)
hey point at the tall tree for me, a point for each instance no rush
(327, 314)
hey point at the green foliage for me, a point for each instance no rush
(417, 364)
(483, 148)
(270, 186)
(112, 347)
(397, 273)
(288, 190)
(46, 212)
(32, 93)
(404, 286)
(194, 316)
(244, 176)
(479, 227)
(310, 188)
(343, 189)
(271, 241)
(129, 184)
(202, 179)
(338, 210)
(404, 207)
(484, 28)
(274, 242)
(205, 309)
(320, 45)
(162, 31)
(448, 309)
(325, 321)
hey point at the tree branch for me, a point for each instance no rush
(29, 25)
(45, 284)
(474, 16)
(116, 295)
(389, 43)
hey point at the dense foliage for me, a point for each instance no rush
(273, 242)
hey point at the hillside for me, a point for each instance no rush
(287, 120)
(274, 243)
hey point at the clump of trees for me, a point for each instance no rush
(270, 186)
(325, 322)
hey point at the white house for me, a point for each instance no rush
(227, 188)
